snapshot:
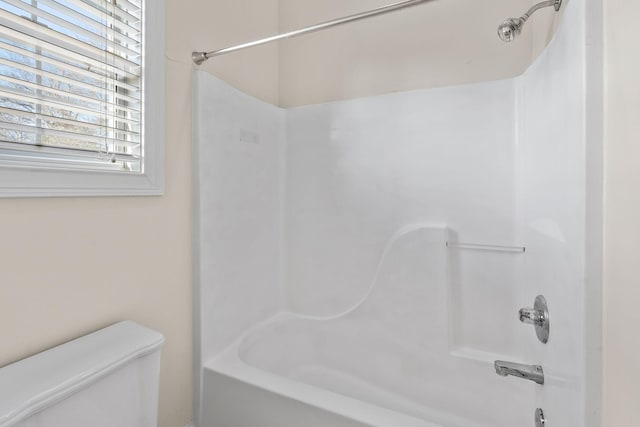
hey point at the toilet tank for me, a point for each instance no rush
(108, 378)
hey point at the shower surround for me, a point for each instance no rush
(326, 293)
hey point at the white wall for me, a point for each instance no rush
(622, 214)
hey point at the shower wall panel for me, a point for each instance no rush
(239, 148)
(359, 170)
(556, 198)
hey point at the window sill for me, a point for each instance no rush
(22, 182)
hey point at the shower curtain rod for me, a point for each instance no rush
(200, 57)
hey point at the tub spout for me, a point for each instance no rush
(528, 372)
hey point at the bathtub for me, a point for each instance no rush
(385, 362)
(284, 386)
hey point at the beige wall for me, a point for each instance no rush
(431, 45)
(206, 25)
(70, 266)
(622, 214)
(436, 44)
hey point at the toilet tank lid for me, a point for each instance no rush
(32, 384)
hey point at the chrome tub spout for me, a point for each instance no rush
(528, 372)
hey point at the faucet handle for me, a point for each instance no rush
(538, 316)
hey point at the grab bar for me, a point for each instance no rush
(479, 247)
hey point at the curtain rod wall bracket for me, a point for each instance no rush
(199, 57)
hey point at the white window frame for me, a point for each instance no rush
(36, 181)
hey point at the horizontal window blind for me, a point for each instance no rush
(71, 83)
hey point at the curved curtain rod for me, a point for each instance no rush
(200, 57)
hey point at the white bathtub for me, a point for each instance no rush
(269, 381)
(386, 362)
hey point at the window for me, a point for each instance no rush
(81, 97)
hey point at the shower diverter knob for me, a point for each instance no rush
(538, 316)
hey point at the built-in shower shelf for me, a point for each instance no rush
(480, 247)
